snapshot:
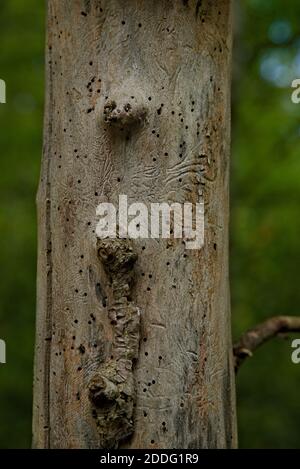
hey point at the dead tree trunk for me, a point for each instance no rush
(137, 103)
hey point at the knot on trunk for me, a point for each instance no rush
(124, 115)
(116, 255)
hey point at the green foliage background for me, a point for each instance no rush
(265, 226)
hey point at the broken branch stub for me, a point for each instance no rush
(262, 333)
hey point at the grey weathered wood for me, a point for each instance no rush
(170, 58)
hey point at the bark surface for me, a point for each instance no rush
(137, 103)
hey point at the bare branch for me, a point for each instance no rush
(255, 337)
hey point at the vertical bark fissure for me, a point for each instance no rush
(49, 305)
(49, 267)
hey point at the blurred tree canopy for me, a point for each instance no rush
(21, 66)
(265, 221)
(265, 226)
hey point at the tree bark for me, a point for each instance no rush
(165, 66)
